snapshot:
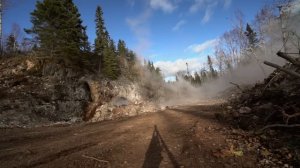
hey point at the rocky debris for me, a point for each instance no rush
(110, 112)
(245, 110)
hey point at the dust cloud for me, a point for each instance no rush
(249, 71)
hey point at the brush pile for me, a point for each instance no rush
(271, 111)
(275, 103)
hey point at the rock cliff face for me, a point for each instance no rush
(113, 100)
(39, 91)
(43, 91)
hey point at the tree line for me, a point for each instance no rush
(57, 31)
(235, 47)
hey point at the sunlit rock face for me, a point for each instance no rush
(114, 100)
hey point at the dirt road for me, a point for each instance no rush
(185, 136)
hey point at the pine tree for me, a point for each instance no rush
(131, 57)
(213, 72)
(150, 66)
(110, 62)
(102, 37)
(158, 71)
(252, 37)
(197, 79)
(122, 53)
(74, 24)
(58, 27)
(11, 44)
(122, 50)
(203, 74)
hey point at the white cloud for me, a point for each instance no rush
(131, 2)
(208, 7)
(178, 25)
(170, 68)
(208, 12)
(227, 3)
(197, 5)
(199, 48)
(165, 5)
(139, 27)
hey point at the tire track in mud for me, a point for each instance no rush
(69, 151)
(49, 158)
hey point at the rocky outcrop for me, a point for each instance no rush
(38, 92)
(43, 91)
(118, 99)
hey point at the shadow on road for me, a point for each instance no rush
(153, 155)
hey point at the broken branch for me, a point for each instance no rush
(277, 125)
(238, 86)
(292, 73)
(288, 58)
(289, 116)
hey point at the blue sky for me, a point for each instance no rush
(168, 32)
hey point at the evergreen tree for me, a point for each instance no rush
(157, 71)
(131, 57)
(213, 72)
(58, 27)
(197, 79)
(11, 44)
(251, 36)
(110, 63)
(176, 78)
(102, 37)
(203, 74)
(150, 66)
(112, 46)
(75, 25)
(86, 47)
(122, 50)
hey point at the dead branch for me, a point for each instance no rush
(288, 58)
(270, 82)
(277, 125)
(238, 86)
(93, 158)
(269, 116)
(289, 116)
(292, 73)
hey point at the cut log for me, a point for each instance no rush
(288, 58)
(292, 73)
